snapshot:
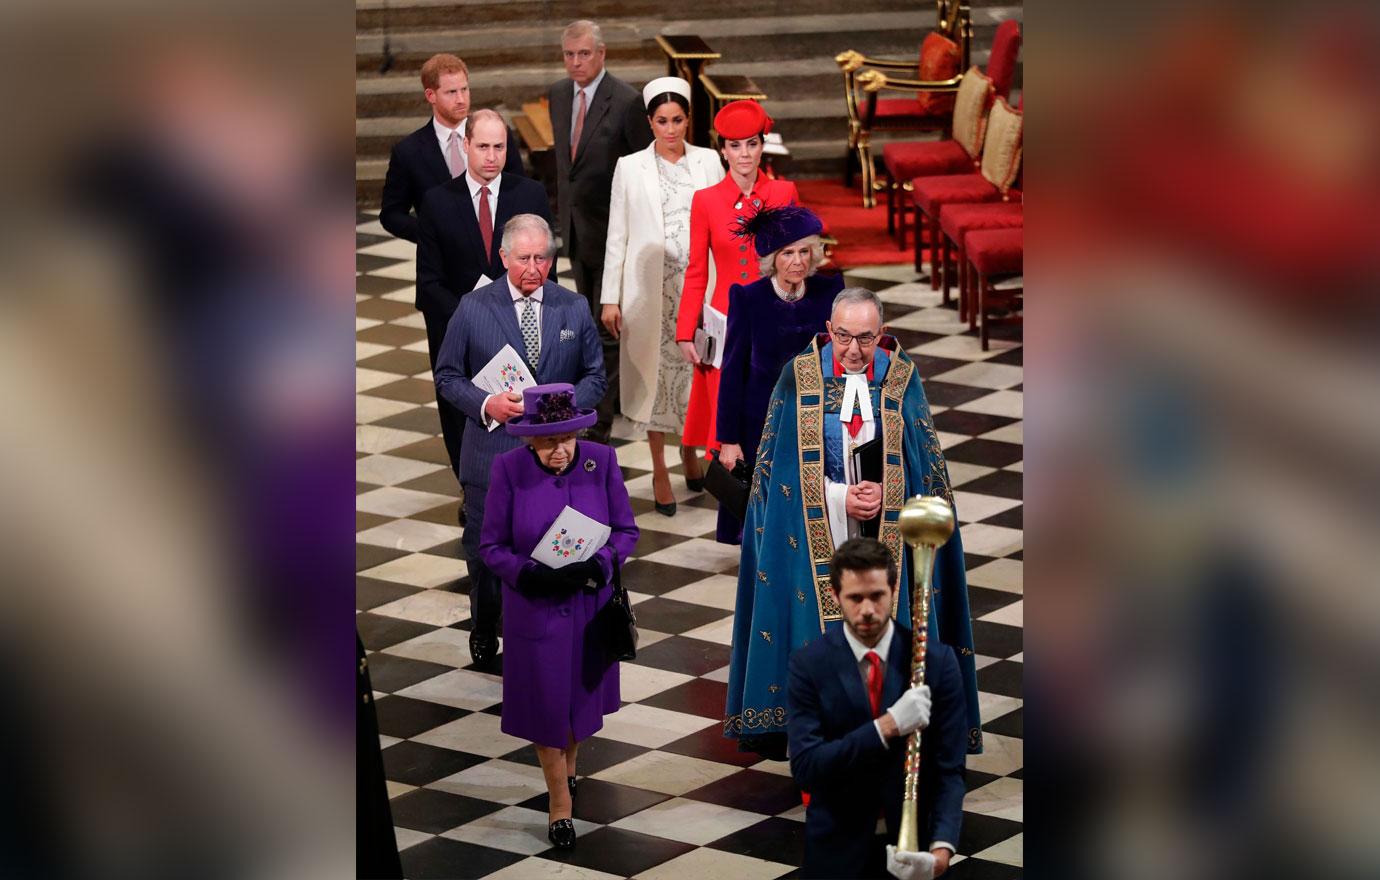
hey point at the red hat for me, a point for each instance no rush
(741, 119)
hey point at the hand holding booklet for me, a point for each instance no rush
(505, 372)
(573, 537)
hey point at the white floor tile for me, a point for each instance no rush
(460, 688)
(478, 734)
(512, 829)
(689, 821)
(411, 535)
(719, 591)
(666, 773)
(998, 403)
(429, 606)
(420, 570)
(389, 470)
(502, 782)
(652, 727)
(447, 646)
(699, 864)
(999, 574)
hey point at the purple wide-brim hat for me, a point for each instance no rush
(550, 409)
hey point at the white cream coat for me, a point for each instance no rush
(633, 261)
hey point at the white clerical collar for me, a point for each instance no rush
(860, 650)
(517, 294)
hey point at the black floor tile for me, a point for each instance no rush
(371, 593)
(959, 421)
(365, 239)
(654, 578)
(604, 802)
(1004, 484)
(975, 779)
(997, 639)
(681, 654)
(929, 365)
(379, 631)
(1003, 677)
(418, 764)
(752, 790)
(435, 811)
(374, 285)
(914, 338)
(974, 560)
(1014, 357)
(648, 542)
(774, 839)
(698, 696)
(951, 394)
(389, 674)
(1018, 555)
(596, 754)
(1011, 519)
(1010, 724)
(990, 453)
(369, 555)
(619, 852)
(442, 857)
(405, 717)
(671, 616)
(372, 262)
(981, 831)
(711, 745)
(981, 869)
(422, 419)
(982, 600)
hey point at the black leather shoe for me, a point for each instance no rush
(483, 648)
(562, 834)
(695, 485)
(570, 781)
(665, 509)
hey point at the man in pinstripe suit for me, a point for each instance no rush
(554, 332)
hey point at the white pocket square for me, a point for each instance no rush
(567, 335)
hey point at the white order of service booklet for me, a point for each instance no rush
(573, 537)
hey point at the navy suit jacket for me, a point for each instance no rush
(837, 756)
(450, 250)
(486, 321)
(415, 165)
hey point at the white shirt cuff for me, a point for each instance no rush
(835, 503)
(877, 723)
(943, 844)
(484, 412)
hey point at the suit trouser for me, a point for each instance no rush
(452, 419)
(486, 590)
(589, 282)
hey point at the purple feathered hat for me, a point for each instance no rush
(771, 229)
(550, 409)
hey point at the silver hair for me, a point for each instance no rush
(479, 116)
(577, 29)
(768, 263)
(527, 223)
(858, 295)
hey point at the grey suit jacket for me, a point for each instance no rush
(615, 125)
(484, 322)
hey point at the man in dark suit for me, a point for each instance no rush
(603, 117)
(432, 154)
(457, 248)
(849, 754)
(552, 329)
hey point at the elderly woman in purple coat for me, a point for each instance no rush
(558, 683)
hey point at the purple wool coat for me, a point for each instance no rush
(556, 679)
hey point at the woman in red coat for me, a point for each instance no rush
(714, 212)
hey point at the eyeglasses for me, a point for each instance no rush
(846, 339)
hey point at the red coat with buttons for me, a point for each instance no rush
(714, 212)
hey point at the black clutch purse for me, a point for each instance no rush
(617, 624)
(730, 487)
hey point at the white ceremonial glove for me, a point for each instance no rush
(912, 711)
(909, 865)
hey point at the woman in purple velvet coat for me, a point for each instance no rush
(769, 322)
(558, 684)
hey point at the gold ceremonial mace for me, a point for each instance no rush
(927, 521)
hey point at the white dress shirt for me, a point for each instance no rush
(589, 91)
(493, 185)
(443, 136)
(883, 648)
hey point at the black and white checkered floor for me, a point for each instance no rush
(662, 795)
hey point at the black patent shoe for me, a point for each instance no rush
(483, 648)
(695, 485)
(570, 783)
(562, 834)
(665, 509)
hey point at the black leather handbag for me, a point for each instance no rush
(617, 621)
(730, 487)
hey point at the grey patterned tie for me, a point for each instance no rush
(530, 337)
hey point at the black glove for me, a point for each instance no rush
(539, 579)
(579, 574)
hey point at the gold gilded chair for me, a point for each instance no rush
(928, 105)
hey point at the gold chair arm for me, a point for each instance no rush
(882, 81)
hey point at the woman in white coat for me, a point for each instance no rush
(644, 268)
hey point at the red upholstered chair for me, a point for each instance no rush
(1001, 160)
(955, 222)
(993, 253)
(928, 106)
(903, 161)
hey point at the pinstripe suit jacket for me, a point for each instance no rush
(484, 322)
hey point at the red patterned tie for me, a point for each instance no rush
(874, 682)
(486, 222)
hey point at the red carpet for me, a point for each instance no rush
(861, 232)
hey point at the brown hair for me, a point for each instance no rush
(861, 554)
(438, 65)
